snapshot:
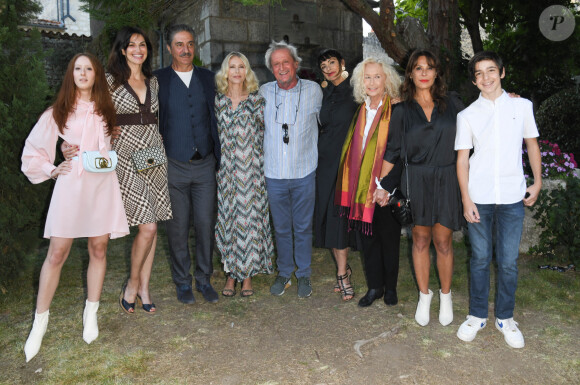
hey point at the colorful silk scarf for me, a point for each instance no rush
(355, 183)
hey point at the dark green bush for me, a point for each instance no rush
(23, 97)
(557, 213)
(558, 121)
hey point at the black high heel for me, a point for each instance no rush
(127, 307)
(147, 307)
(348, 273)
(346, 289)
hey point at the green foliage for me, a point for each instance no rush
(557, 120)
(23, 96)
(418, 9)
(120, 13)
(535, 66)
(557, 213)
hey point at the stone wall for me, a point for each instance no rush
(222, 26)
(60, 49)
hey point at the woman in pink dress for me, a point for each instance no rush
(83, 204)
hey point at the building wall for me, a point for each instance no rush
(51, 11)
(222, 26)
(60, 49)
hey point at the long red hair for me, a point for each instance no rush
(66, 99)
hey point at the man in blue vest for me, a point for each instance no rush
(188, 125)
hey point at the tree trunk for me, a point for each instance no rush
(383, 25)
(471, 14)
(443, 33)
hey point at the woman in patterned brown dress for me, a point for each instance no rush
(243, 230)
(145, 195)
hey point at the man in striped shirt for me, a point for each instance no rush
(290, 160)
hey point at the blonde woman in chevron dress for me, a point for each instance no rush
(243, 233)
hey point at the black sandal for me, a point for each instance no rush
(127, 307)
(348, 272)
(229, 292)
(147, 307)
(346, 289)
(247, 292)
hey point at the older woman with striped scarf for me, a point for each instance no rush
(375, 84)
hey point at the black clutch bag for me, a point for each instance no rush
(401, 208)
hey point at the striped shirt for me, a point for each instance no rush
(298, 107)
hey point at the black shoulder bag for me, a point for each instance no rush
(401, 205)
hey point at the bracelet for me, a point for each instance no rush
(378, 183)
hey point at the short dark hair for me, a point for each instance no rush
(172, 30)
(481, 56)
(327, 54)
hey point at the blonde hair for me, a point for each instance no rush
(251, 83)
(393, 81)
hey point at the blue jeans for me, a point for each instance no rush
(509, 221)
(292, 208)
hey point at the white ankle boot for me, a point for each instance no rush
(34, 340)
(91, 328)
(422, 313)
(445, 308)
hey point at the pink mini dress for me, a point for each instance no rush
(83, 204)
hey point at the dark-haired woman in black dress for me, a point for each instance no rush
(427, 117)
(338, 108)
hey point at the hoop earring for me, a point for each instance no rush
(324, 84)
(344, 73)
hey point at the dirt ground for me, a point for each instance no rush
(286, 340)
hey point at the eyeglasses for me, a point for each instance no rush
(286, 138)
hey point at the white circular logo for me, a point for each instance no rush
(557, 23)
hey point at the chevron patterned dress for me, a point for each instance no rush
(243, 233)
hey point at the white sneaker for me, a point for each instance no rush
(423, 306)
(468, 329)
(512, 335)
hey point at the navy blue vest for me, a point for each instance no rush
(188, 119)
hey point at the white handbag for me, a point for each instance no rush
(93, 161)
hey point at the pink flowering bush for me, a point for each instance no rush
(555, 163)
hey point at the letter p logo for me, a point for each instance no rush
(557, 23)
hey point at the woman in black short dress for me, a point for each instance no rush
(427, 116)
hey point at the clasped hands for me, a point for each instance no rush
(381, 197)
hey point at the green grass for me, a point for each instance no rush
(66, 359)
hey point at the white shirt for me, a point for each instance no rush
(369, 122)
(495, 130)
(185, 77)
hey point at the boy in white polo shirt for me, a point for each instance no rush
(493, 189)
